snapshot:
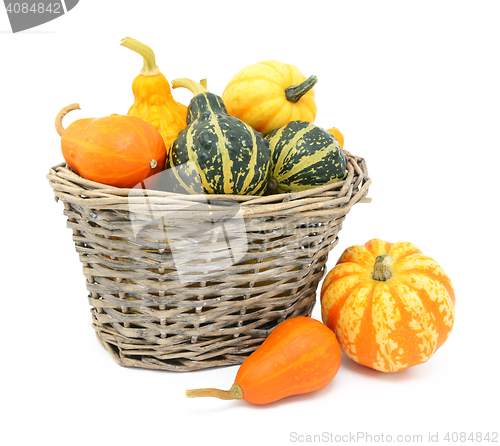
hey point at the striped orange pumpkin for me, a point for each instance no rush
(390, 306)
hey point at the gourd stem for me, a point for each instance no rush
(382, 269)
(62, 114)
(295, 92)
(234, 393)
(194, 87)
(149, 68)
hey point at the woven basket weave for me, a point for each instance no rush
(146, 314)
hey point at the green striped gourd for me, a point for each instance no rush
(303, 156)
(224, 153)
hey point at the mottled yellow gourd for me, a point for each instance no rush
(390, 305)
(270, 94)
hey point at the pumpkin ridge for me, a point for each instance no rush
(340, 300)
(433, 306)
(372, 243)
(439, 278)
(383, 317)
(353, 255)
(428, 330)
(328, 281)
(404, 256)
(353, 343)
(423, 327)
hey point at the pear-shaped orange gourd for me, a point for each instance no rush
(154, 102)
(116, 150)
(300, 355)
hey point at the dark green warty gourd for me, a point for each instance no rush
(217, 153)
(303, 156)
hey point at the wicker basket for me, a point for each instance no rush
(236, 285)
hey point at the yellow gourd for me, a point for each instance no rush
(154, 102)
(270, 94)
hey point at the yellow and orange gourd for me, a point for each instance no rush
(154, 102)
(390, 305)
(270, 94)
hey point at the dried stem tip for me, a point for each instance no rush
(234, 393)
(62, 114)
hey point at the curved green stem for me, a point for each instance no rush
(295, 92)
(149, 68)
(382, 270)
(234, 393)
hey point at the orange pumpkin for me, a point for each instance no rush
(300, 355)
(117, 150)
(390, 306)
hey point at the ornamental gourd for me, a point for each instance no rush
(338, 136)
(303, 156)
(217, 153)
(154, 102)
(301, 355)
(269, 94)
(116, 150)
(390, 306)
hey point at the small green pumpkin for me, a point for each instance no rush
(224, 153)
(303, 156)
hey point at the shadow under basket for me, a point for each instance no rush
(185, 282)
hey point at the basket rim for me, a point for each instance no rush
(69, 186)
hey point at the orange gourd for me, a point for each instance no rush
(116, 150)
(154, 102)
(390, 306)
(269, 95)
(300, 355)
(338, 136)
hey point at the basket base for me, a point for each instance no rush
(236, 351)
(179, 365)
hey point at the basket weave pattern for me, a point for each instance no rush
(147, 315)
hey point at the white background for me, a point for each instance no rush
(414, 87)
